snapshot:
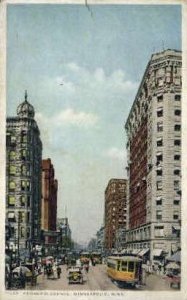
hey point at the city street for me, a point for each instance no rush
(97, 279)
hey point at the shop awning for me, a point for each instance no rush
(176, 227)
(157, 252)
(143, 252)
(135, 251)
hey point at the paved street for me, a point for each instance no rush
(97, 279)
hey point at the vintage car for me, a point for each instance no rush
(75, 275)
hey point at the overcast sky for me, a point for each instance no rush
(100, 58)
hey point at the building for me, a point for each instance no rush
(65, 241)
(153, 132)
(100, 239)
(49, 203)
(23, 178)
(115, 210)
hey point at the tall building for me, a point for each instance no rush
(23, 178)
(153, 132)
(115, 210)
(49, 202)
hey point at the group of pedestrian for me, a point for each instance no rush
(52, 271)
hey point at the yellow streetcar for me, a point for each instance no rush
(125, 269)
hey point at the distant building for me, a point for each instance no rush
(115, 210)
(64, 231)
(23, 178)
(49, 203)
(153, 131)
(100, 239)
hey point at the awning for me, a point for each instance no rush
(143, 252)
(176, 227)
(159, 198)
(157, 252)
(159, 139)
(160, 109)
(135, 251)
(175, 257)
(159, 153)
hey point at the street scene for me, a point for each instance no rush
(93, 148)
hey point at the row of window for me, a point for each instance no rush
(176, 185)
(23, 155)
(160, 201)
(176, 142)
(177, 127)
(25, 185)
(23, 201)
(160, 112)
(159, 215)
(22, 217)
(24, 170)
(176, 98)
(159, 172)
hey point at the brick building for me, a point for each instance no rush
(115, 210)
(49, 202)
(153, 132)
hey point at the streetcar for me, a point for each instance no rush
(96, 257)
(125, 270)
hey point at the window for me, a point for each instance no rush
(28, 216)
(23, 137)
(28, 232)
(177, 97)
(160, 112)
(21, 216)
(11, 216)
(177, 142)
(13, 139)
(25, 185)
(11, 201)
(159, 172)
(177, 112)
(176, 202)
(12, 185)
(159, 215)
(159, 185)
(159, 231)
(159, 201)
(12, 170)
(28, 201)
(124, 266)
(22, 232)
(23, 170)
(176, 184)
(159, 142)
(159, 126)
(131, 266)
(175, 215)
(22, 200)
(177, 157)
(12, 155)
(177, 127)
(160, 98)
(176, 172)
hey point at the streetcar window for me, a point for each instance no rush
(118, 265)
(124, 266)
(131, 266)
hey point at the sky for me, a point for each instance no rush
(81, 70)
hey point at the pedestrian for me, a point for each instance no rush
(59, 271)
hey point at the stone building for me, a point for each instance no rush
(49, 202)
(115, 210)
(153, 132)
(23, 178)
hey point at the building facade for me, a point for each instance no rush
(153, 132)
(49, 202)
(23, 178)
(115, 210)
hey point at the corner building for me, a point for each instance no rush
(23, 178)
(153, 132)
(115, 210)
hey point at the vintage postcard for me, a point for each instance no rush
(93, 149)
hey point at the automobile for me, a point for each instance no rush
(75, 275)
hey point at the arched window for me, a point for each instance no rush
(12, 185)
(11, 201)
(12, 155)
(12, 170)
